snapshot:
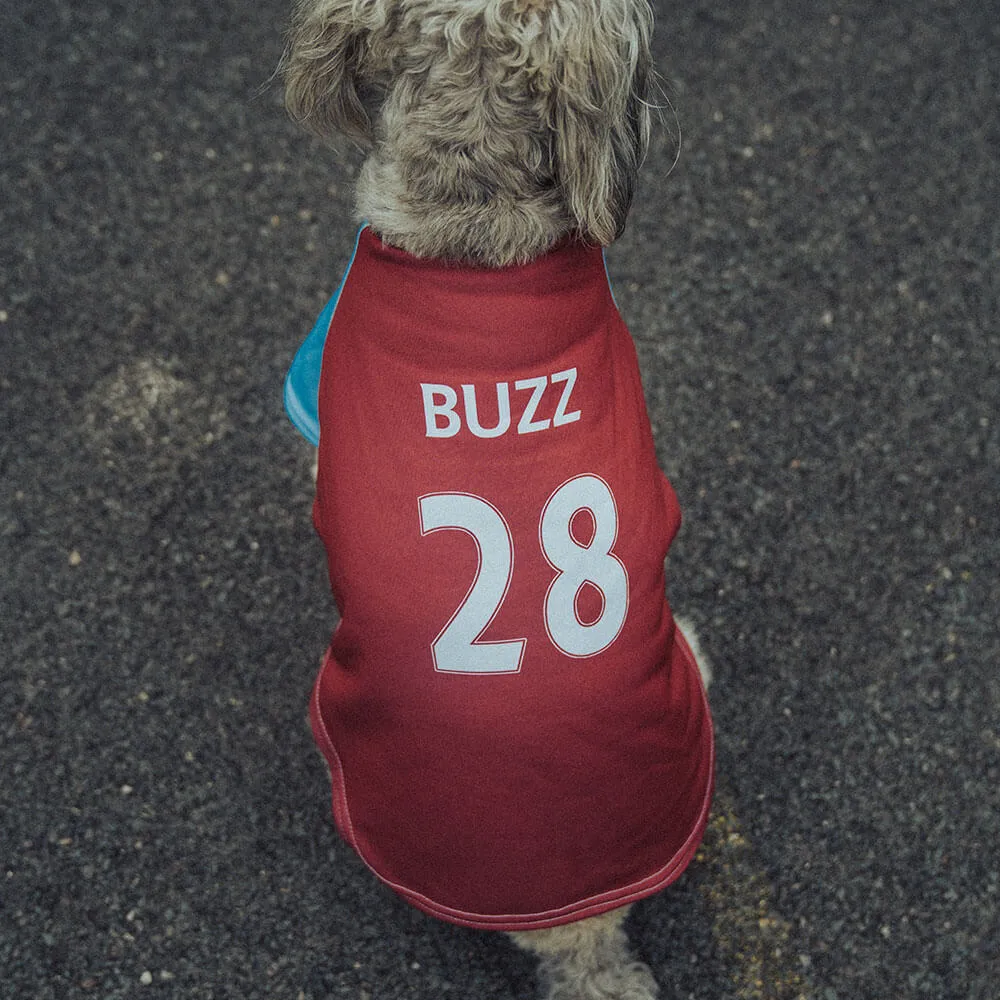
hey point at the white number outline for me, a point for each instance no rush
(466, 653)
(460, 654)
(565, 642)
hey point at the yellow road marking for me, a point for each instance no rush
(753, 940)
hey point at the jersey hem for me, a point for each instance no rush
(590, 907)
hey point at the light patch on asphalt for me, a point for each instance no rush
(753, 940)
(144, 403)
(136, 393)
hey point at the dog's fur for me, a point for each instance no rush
(492, 129)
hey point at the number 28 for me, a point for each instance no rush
(458, 647)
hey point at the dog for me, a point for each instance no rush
(543, 758)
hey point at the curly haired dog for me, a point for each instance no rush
(543, 758)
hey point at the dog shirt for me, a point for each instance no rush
(516, 730)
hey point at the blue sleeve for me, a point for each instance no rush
(302, 381)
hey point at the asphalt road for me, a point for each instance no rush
(814, 292)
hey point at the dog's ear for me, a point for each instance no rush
(330, 65)
(601, 116)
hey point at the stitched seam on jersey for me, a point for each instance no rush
(341, 809)
(589, 906)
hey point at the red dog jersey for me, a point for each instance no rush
(516, 731)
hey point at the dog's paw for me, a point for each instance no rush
(589, 960)
(628, 981)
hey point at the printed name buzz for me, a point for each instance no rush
(443, 419)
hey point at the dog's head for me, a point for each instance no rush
(493, 127)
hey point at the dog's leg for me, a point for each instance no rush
(589, 960)
(704, 667)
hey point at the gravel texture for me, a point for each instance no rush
(813, 290)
